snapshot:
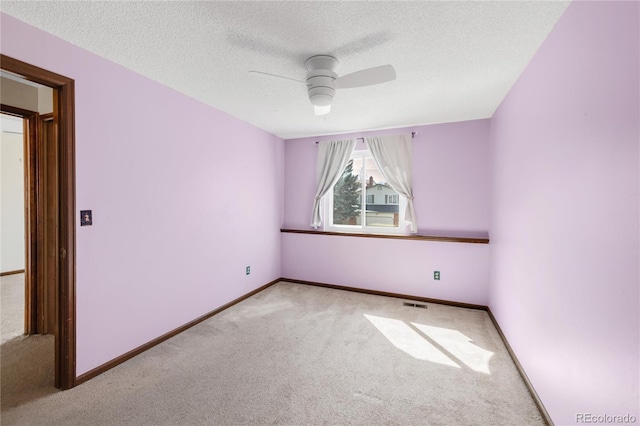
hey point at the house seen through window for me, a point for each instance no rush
(362, 184)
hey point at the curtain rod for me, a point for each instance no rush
(413, 135)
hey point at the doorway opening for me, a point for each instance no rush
(12, 232)
(49, 219)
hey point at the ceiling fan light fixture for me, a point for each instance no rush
(320, 82)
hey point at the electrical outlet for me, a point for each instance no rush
(248, 270)
(436, 275)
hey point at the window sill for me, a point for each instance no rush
(467, 240)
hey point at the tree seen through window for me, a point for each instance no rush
(346, 197)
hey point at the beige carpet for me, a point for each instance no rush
(12, 305)
(296, 354)
(27, 370)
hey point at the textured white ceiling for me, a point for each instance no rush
(455, 61)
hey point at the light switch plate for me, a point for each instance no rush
(86, 218)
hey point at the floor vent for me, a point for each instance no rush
(415, 305)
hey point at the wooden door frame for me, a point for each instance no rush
(64, 113)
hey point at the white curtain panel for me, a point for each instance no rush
(393, 155)
(333, 157)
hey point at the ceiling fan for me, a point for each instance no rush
(322, 80)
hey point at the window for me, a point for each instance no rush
(391, 198)
(362, 183)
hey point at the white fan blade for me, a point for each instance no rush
(276, 75)
(366, 77)
(321, 110)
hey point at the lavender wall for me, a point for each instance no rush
(183, 196)
(396, 266)
(565, 225)
(451, 188)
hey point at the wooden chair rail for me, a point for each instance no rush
(468, 240)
